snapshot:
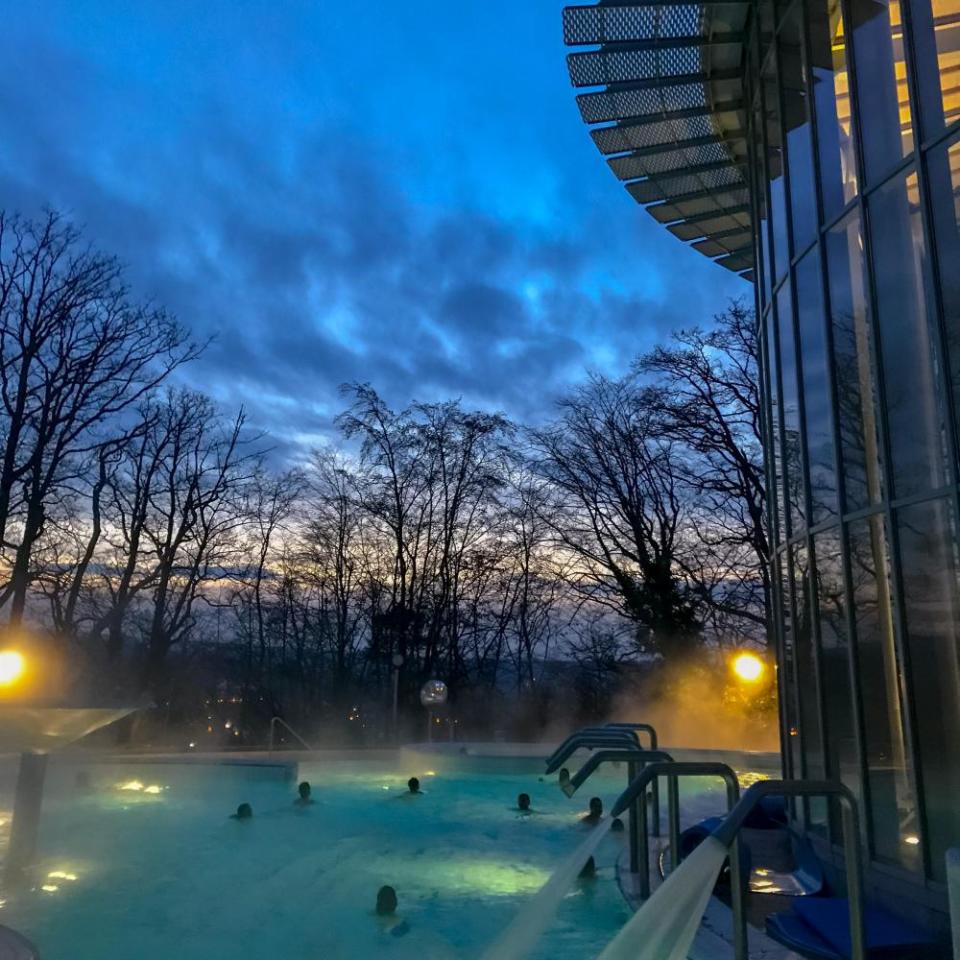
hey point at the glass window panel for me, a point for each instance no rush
(780, 255)
(891, 807)
(773, 442)
(808, 697)
(886, 125)
(817, 406)
(928, 560)
(796, 127)
(841, 738)
(792, 462)
(853, 365)
(910, 372)
(936, 37)
(786, 674)
(760, 201)
(831, 93)
(943, 167)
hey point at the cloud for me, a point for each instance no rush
(311, 254)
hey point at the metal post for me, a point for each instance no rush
(643, 843)
(851, 856)
(429, 726)
(26, 812)
(738, 887)
(632, 821)
(673, 814)
(396, 701)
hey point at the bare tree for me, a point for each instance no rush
(621, 508)
(75, 353)
(706, 398)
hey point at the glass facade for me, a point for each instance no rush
(853, 108)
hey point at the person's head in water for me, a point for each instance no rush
(244, 812)
(523, 801)
(413, 785)
(589, 870)
(617, 825)
(596, 809)
(304, 791)
(386, 901)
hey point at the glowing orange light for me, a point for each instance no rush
(12, 666)
(748, 667)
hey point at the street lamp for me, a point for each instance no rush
(12, 666)
(397, 664)
(432, 694)
(748, 667)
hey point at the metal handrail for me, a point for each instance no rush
(591, 739)
(633, 758)
(273, 726)
(634, 797)
(646, 728)
(727, 831)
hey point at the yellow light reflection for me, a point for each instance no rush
(61, 875)
(134, 785)
(748, 667)
(12, 666)
(49, 888)
(912, 840)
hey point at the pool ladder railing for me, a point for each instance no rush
(283, 723)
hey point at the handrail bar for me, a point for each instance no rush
(635, 798)
(590, 740)
(619, 735)
(273, 726)
(570, 785)
(647, 728)
(727, 831)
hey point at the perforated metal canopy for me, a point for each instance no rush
(668, 113)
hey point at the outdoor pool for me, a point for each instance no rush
(145, 864)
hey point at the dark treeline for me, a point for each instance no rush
(152, 539)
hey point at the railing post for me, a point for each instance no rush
(632, 823)
(644, 844)
(739, 885)
(273, 727)
(851, 854)
(673, 813)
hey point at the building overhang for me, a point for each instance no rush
(663, 95)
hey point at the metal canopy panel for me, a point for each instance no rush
(664, 101)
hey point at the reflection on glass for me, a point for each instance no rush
(907, 349)
(928, 559)
(792, 464)
(831, 92)
(760, 205)
(853, 365)
(796, 127)
(886, 124)
(811, 738)
(780, 255)
(841, 740)
(943, 167)
(892, 807)
(772, 437)
(817, 407)
(786, 675)
(936, 36)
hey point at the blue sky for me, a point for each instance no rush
(399, 193)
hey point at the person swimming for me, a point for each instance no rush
(523, 803)
(386, 910)
(413, 785)
(386, 901)
(304, 799)
(616, 826)
(244, 812)
(596, 811)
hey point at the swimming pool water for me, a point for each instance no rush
(161, 872)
